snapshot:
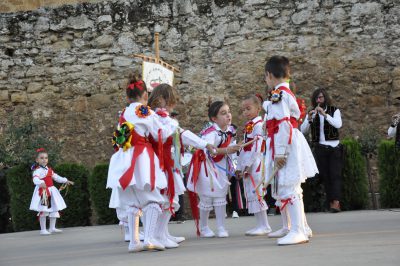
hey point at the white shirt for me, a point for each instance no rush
(335, 121)
(392, 131)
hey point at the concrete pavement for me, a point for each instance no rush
(349, 238)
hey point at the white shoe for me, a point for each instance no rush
(292, 238)
(259, 232)
(279, 233)
(154, 245)
(168, 243)
(308, 232)
(222, 232)
(44, 233)
(249, 232)
(55, 230)
(176, 239)
(206, 232)
(235, 214)
(135, 247)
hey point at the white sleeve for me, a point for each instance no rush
(211, 138)
(305, 127)
(293, 106)
(392, 132)
(59, 179)
(336, 120)
(166, 130)
(191, 139)
(36, 178)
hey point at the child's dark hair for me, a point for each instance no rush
(164, 91)
(213, 108)
(256, 98)
(136, 87)
(315, 94)
(278, 66)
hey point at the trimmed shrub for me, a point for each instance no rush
(20, 187)
(76, 197)
(389, 171)
(100, 196)
(314, 196)
(355, 182)
(5, 216)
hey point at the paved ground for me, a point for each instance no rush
(347, 238)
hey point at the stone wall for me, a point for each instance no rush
(7, 6)
(66, 66)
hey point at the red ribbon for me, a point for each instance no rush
(140, 143)
(285, 202)
(137, 84)
(273, 128)
(195, 165)
(41, 150)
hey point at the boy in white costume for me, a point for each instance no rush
(46, 198)
(287, 150)
(250, 164)
(208, 176)
(134, 172)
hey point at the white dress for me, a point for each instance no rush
(57, 201)
(213, 180)
(251, 156)
(300, 163)
(140, 180)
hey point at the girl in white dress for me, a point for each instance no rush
(134, 173)
(208, 175)
(46, 199)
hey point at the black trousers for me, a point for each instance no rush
(330, 164)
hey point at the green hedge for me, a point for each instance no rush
(4, 204)
(355, 180)
(389, 171)
(20, 187)
(78, 210)
(100, 196)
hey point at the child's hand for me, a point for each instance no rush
(70, 183)
(211, 149)
(280, 161)
(233, 149)
(43, 185)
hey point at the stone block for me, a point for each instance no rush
(34, 87)
(79, 23)
(19, 97)
(4, 96)
(103, 41)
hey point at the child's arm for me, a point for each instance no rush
(60, 179)
(166, 128)
(191, 139)
(37, 180)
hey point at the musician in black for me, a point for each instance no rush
(323, 121)
(394, 131)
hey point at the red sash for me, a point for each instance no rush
(219, 157)
(164, 154)
(273, 128)
(140, 143)
(48, 180)
(198, 158)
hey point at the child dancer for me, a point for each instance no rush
(163, 100)
(287, 150)
(208, 177)
(134, 173)
(46, 198)
(250, 164)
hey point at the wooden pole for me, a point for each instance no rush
(157, 47)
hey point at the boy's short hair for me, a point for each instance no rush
(278, 66)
